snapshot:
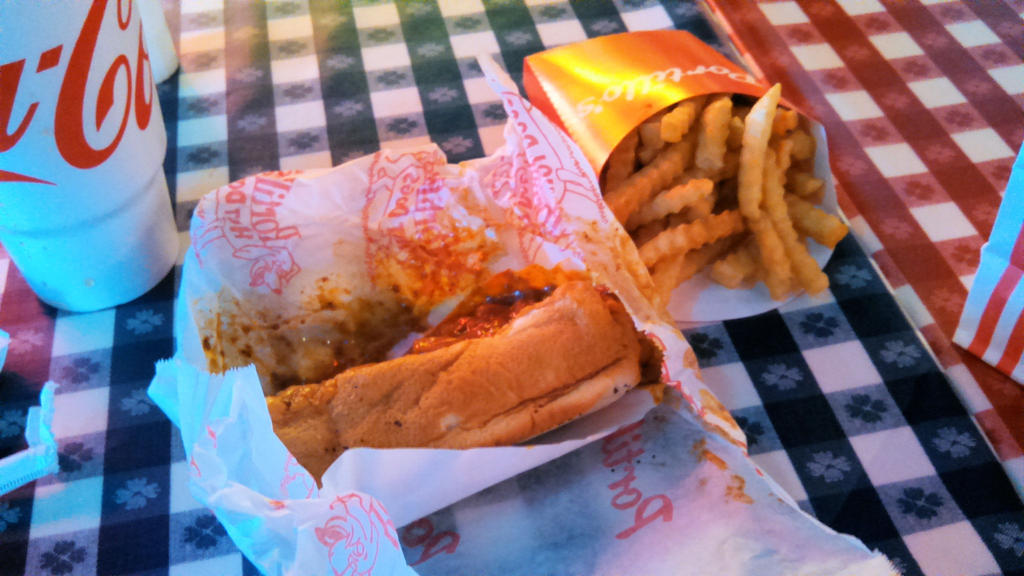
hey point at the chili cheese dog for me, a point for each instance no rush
(505, 366)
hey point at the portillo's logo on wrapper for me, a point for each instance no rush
(72, 115)
(620, 449)
(540, 164)
(418, 242)
(422, 533)
(245, 216)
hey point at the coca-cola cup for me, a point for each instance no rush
(84, 208)
(162, 58)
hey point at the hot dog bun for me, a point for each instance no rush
(572, 353)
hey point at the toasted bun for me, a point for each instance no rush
(568, 355)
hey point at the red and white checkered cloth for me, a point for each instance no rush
(923, 106)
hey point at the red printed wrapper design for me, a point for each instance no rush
(992, 322)
(243, 217)
(601, 89)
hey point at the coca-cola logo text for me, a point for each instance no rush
(70, 116)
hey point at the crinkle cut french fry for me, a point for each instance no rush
(810, 220)
(806, 269)
(650, 134)
(735, 139)
(622, 161)
(670, 201)
(669, 165)
(686, 237)
(714, 130)
(731, 165)
(783, 158)
(803, 184)
(700, 209)
(803, 145)
(666, 275)
(772, 253)
(692, 173)
(650, 141)
(746, 163)
(678, 120)
(735, 268)
(817, 197)
(677, 219)
(646, 155)
(756, 132)
(645, 233)
(785, 120)
(803, 266)
(676, 269)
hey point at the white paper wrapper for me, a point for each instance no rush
(267, 503)
(40, 458)
(659, 497)
(271, 240)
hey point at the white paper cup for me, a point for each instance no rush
(162, 56)
(84, 209)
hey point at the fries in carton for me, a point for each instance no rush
(701, 175)
(306, 245)
(992, 322)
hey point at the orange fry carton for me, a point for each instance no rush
(601, 89)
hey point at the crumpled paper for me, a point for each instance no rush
(40, 458)
(537, 199)
(659, 496)
(268, 504)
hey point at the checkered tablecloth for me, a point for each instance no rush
(839, 396)
(923, 104)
